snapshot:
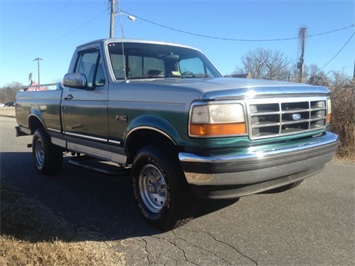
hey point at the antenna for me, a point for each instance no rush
(112, 30)
(122, 35)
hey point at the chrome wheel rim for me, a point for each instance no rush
(39, 153)
(153, 188)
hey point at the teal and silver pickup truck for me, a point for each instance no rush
(163, 113)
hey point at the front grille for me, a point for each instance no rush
(280, 117)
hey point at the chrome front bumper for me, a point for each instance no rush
(235, 175)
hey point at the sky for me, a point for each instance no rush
(224, 30)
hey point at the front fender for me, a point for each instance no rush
(154, 123)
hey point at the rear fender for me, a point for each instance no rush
(35, 120)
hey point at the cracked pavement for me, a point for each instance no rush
(182, 247)
(311, 224)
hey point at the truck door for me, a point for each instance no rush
(84, 111)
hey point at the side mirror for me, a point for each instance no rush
(75, 80)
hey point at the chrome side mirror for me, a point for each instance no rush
(75, 80)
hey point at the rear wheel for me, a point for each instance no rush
(160, 189)
(47, 157)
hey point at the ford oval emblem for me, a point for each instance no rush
(296, 117)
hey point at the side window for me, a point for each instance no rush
(86, 65)
(100, 79)
(117, 65)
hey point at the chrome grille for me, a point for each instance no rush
(279, 117)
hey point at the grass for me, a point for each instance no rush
(31, 234)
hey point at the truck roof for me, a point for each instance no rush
(108, 40)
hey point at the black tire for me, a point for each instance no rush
(47, 157)
(160, 189)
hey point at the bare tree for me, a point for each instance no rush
(265, 64)
(317, 76)
(8, 92)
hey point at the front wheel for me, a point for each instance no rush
(160, 189)
(47, 157)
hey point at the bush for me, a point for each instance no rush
(343, 119)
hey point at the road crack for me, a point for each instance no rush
(173, 243)
(221, 242)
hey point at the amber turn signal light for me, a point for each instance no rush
(226, 129)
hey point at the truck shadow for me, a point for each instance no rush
(77, 204)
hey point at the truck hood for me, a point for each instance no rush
(238, 88)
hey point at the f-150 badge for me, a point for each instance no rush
(122, 118)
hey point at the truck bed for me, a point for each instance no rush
(43, 104)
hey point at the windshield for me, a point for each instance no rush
(145, 60)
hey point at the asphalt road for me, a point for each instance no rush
(313, 224)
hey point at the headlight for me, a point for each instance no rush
(213, 120)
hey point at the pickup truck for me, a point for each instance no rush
(164, 115)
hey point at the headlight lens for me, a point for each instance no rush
(217, 120)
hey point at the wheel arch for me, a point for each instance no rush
(34, 122)
(142, 136)
(150, 129)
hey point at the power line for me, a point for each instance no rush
(234, 39)
(174, 29)
(341, 49)
(39, 23)
(61, 37)
(331, 31)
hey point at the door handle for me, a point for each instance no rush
(68, 97)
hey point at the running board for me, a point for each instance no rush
(104, 167)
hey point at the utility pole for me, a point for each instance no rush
(300, 64)
(112, 18)
(37, 59)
